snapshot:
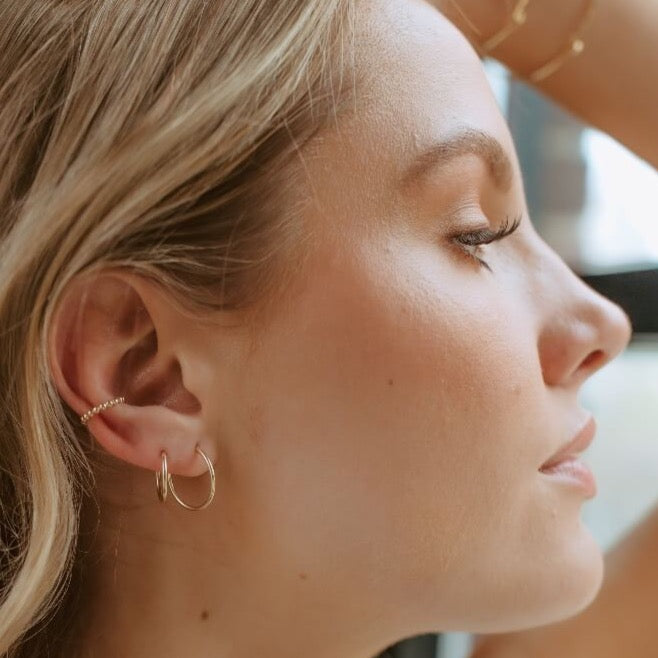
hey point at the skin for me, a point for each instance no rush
(378, 450)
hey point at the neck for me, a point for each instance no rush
(166, 581)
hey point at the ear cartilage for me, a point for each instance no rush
(101, 407)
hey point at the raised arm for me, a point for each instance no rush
(612, 85)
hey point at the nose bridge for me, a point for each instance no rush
(581, 330)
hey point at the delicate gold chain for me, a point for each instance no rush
(575, 46)
(465, 18)
(517, 19)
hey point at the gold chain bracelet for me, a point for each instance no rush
(517, 19)
(575, 46)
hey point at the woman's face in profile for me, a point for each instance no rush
(397, 411)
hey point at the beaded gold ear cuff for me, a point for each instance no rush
(101, 407)
(163, 480)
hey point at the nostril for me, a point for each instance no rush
(593, 360)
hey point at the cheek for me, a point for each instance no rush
(395, 414)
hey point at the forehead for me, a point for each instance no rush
(418, 82)
(407, 45)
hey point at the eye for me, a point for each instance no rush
(471, 243)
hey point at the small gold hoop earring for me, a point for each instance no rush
(164, 483)
(161, 479)
(101, 407)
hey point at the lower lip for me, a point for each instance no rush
(573, 472)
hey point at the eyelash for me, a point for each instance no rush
(485, 236)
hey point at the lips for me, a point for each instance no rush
(573, 448)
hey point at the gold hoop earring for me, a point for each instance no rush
(164, 483)
(101, 407)
(161, 479)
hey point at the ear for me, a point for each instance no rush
(114, 334)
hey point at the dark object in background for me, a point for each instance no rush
(636, 292)
(422, 646)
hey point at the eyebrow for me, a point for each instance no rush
(466, 142)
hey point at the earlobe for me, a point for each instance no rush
(112, 336)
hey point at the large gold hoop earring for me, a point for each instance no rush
(164, 483)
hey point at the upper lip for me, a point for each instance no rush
(573, 448)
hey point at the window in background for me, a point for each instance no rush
(619, 229)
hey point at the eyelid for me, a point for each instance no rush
(484, 236)
(487, 235)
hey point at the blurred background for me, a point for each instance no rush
(596, 204)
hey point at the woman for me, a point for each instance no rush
(278, 251)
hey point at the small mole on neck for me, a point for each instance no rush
(390, 382)
(204, 615)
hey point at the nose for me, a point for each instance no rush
(582, 330)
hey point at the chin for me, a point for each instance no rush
(566, 583)
(584, 569)
(544, 590)
(567, 587)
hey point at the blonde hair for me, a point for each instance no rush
(157, 135)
